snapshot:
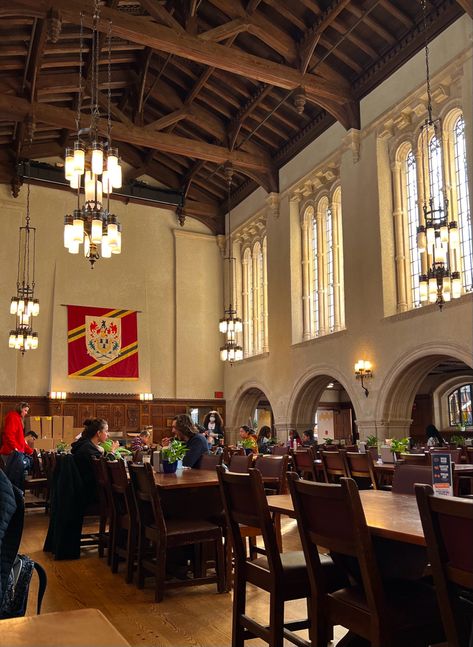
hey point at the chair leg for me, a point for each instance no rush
(220, 566)
(114, 555)
(130, 554)
(252, 548)
(239, 605)
(276, 621)
(141, 553)
(160, 573)
(102, 530)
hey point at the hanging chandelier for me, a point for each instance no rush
(94, 166)
(437, 236)
(230, 324)
(24, 305)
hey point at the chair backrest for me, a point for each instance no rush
(273, 468)
(332, 516)
(448, 531)
(36, 471)
(469, 454)
(209, 461)
(49, 465)
(303, 460)
(280, 450)
(229, 451)
(454, 453)
(122, 496)
(360, 466)
(240, 464)
(245, 504)
(137, 456)
(334, 465)
(405, 475)
(415, 459)
(148, 503)
(104, 489)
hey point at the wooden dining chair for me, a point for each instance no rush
(105, 506)
(303, 463)
(279, 450)
(240, 464)
(273, 471)
(209, 461)
(448, 530)
(283, 576)
(388, 615)
(415, 459)
(469, 454)
(124, 522)
(405, 475)
(334, 465)
(156, 535)
(360, 469)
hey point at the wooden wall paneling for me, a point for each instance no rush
(102, 411)
(72, 409)
(421, 415)
(86, 411)
(132, 417)
(117, 419)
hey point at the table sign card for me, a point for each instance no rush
(442, 474)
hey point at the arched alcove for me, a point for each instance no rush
(421, 371)
(326, 395)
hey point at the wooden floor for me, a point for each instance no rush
(190, 617)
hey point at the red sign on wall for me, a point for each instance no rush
(218, 394)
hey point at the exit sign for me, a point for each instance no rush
(218, 394)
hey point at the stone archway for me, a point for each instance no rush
(307, 394)
(246, 400)
(397, 394)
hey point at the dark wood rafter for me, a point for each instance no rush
(197, 84)
(467, 6)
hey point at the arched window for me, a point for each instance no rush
(322, 263)
(255, 299)
(459, 406)
(463, 203)
(445, 174)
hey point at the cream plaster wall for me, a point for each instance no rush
(162, 267)
(402, 347)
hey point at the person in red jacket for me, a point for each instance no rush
(13, 437)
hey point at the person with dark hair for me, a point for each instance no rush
(249, 437)
(263, 439)
(434, 439)
(308, 438)
(294, 437)
(87, 447)
(213, 425)
(13, 437)
(184, 430)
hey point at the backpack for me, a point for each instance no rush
(15, 600)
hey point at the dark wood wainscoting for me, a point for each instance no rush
(124, 413)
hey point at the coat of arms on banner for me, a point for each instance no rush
(103, 338)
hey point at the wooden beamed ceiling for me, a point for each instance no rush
(196, 85)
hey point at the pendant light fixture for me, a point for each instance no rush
(437, 236)
(94, 166)
(24, 305)
(230, 324)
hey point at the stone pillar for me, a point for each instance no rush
(384, 428)
(398, 216)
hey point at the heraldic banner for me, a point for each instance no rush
(102, 343)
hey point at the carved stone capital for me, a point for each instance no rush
(352, 141)
(220, 238)
(272, 202)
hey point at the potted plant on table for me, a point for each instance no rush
(399, 446)
(175, 451)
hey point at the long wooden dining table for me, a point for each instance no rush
(388, 515)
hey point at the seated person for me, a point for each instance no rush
(248, 435)
(184, 430)
(263, 440)
(142, 442)
(95, 432)
(308, 438)
(293, 436)
(13, 437)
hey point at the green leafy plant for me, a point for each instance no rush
(457, 440)
(400, 445)
(175, 451)
(371, 441)
(119, 452)
(328, 441)
(62, 447)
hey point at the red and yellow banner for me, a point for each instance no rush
(102, 343)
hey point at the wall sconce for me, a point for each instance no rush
(146, 396)
(57, 395)
(363, 372)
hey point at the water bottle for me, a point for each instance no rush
(294, 445)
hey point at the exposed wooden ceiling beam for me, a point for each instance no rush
(19, 108)
(172, 118)
(39, 45)
(467, 6)
(312, 36)
(228, 29)
(160, 13)
(336, 98)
